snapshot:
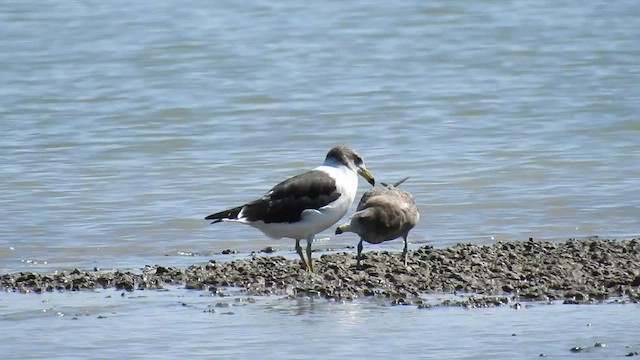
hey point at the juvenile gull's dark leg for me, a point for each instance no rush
(359, 256)
(404, 251)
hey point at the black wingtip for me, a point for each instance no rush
(396, 184)
(400, 181)
(229, 214)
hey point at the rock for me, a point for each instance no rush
(268, 250)
(508, 288)
(161, 270)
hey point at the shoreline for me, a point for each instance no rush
(575, 271)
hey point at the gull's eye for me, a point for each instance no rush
(357, 160)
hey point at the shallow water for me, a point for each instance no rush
(124, 124)
(178, 323)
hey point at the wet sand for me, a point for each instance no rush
(576, 271)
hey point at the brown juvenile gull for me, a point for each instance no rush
(384, 213)
(306, 204)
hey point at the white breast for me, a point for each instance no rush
(347, 186)
(314, 221)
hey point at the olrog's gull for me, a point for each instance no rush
(306, 204)
(384, 213)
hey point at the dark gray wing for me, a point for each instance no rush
(287, 200)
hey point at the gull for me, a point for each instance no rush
(304, 205)
(384, 213)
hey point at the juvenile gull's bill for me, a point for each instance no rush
(306, 204)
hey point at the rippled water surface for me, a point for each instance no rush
(182, 324)
(125, 123)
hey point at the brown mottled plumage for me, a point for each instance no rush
(384, 213)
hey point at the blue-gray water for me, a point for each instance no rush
(124, 123)
(187, 325)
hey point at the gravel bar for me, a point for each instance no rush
(575, 272)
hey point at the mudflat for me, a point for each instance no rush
(575, 271)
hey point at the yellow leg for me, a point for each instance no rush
(299, 251)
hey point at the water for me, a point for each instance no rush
(124, 124)
(186, 324)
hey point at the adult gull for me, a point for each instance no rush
(304, 205)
